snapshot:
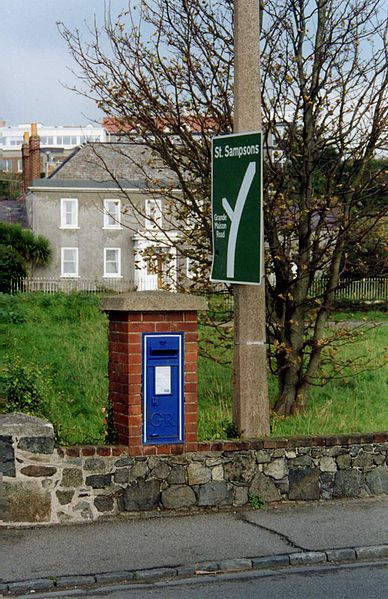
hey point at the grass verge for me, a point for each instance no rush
(65, 338)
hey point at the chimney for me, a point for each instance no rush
(34, 153)
(26, 162)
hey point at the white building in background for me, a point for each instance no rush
(105, 225)
(56, 143)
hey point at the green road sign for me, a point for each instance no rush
(237, 208)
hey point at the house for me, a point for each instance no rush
(103, 221)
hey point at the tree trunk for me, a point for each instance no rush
(292, 393)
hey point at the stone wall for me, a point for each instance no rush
(42, 484)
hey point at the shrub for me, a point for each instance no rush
(12, 268)
(25, 388)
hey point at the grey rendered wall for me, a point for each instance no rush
(90, 237)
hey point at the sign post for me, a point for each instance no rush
(237, 208)
(250, 393)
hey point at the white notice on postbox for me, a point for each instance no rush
(162, 380)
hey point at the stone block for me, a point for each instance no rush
(304, 461)
(7, 456)
(198, 474)
(35, 434)
(124, 462)
(214, 493)
(64, 497)
(37, 444)
(178, 497)
(327, 484)
(99, 481)
(161, 471)
(26, 502)
(121, 476)
(264, 488)
(84, 509)
(276, 469)
(233, 565)
(72, 477)
(363, 460)
(327, 464)
(141, 495)
(304, 484)
(279, 452)
(270, 561)
(36, 471)
(104, 503)
(241, 469)
(307, 557)
(154, 574)
(74, 581)
(240, 495)
(177, 475)
(348, 483)
(341, 555)
(377, 481)
(379, 459)
(218, 472)
(31, 586)
(372, 552)
(138, 470)
(344, 461)
(94, 464)
(263, 456)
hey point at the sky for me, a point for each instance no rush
(35, 62)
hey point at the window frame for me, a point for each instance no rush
(108, 214)
(109, 275)
(76, 261)
(153, 221)
(74, 212)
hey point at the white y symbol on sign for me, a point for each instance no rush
(235, 216)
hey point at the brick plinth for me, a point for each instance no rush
(125, 370)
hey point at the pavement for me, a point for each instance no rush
(152, 547)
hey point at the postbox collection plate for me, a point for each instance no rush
(163, 388)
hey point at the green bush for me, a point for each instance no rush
(12, 268)
(25, 388)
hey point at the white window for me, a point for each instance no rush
(69, 262)
(20, 165)
(6, 166)
(112, 262)
(112, 214)
(153, 212)
(69, 213)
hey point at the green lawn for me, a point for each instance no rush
(66, 337)
(64, 340)
(349, 404)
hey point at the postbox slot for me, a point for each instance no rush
(163, 353)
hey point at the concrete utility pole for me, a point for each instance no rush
(250, 403)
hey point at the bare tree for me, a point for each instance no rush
(325, 80)
(163, 69)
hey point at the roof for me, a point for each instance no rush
(88, 184)
(110, 162)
